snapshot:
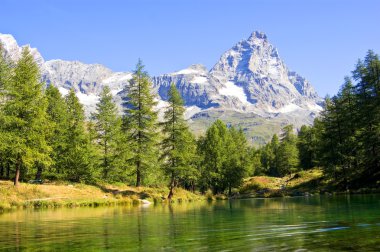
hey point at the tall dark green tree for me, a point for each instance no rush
(307, 147)
(225, 158)
(108, 136)
(25, 123)
(6, 72)
(237, 165)
(57, 116)
(214, 155)
(140, 123)
(178, 144)
(367, 75)
(288, 153)
(78, 154)
(274, 156)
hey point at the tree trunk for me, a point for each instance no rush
(17, 176)
(138, 174)
(39, 171)
(8, 170)
(1, 170)
(171, 187)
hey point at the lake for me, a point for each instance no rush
(316, 223)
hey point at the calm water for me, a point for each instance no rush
(318, 223)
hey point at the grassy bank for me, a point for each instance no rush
(74, 195)
(303, 183)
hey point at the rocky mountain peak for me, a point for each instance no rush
(257, 35)
(13, 50)
(249, 81)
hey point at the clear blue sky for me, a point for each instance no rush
(320, 39)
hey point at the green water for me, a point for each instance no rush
(317, 223)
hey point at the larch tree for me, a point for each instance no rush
(6, 72)
(78, 154)
(58, 118)
(288, 153)
(25, 122)
(214, 154)
(108, 135)
(178, 144)
(237, 163)
(140, 124)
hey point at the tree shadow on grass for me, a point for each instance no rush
(124, 193)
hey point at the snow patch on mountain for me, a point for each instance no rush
(88, 100)
(185, 71)
(248, 78)
(63, 91)
(230, 89)
(117, 78)
(199, 80)
(190, 111)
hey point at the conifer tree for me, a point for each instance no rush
(237, 163)
(108, 135)
(287, 152)
(214, 155)
(25, 117)
(57, 116)
(307, 147)
(140, 124)
(6, 71)
(274, 156)
(367, 74)
(178, 144)
(78, 154)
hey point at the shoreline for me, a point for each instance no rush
(57, 195)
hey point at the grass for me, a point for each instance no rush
(300, 183)
(63, 194)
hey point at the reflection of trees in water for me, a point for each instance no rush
(267, 224)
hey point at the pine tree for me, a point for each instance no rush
(140, 123)
(178, 144)
(237, 163)
(57, 116)
(108, 135)
(214, 155)
(307, 147)
(287, 152)
(367, 74)
(6, 72)
(25, 123)
(78, 154)
(274, 156)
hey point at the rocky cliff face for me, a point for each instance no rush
(250, 79)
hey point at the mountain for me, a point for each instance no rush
(250, 86)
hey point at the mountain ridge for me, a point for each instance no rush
(249, 78)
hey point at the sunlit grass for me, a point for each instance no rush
(65, 194)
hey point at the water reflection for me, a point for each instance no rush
(315, 223)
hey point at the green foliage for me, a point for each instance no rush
(178, 144)
(224, 156)
(140, 125)
(78, 153)
(349, 129)
(57, 116)
(24, 118)
(287, 152)
(307, 147)
(109, 138)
